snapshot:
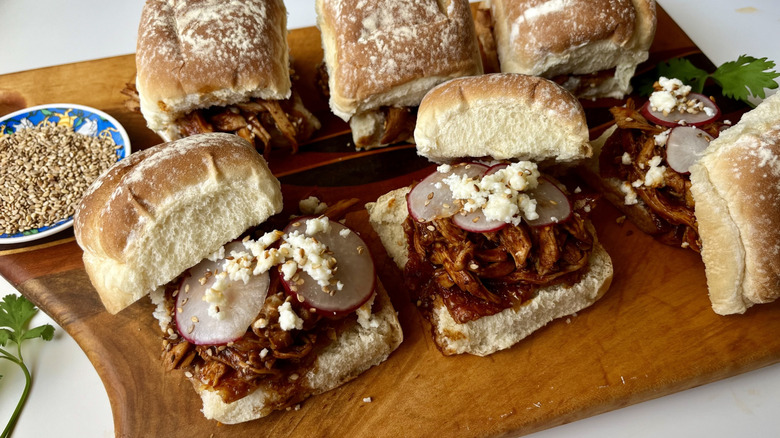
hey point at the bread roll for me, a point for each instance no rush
(502, 116)
(577, 37)
(162, 210)
(489, 334)
(736, 186)
(193, 55)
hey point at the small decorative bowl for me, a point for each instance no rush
(83, 120)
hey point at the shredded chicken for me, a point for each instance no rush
(480, 274)
(671, 203)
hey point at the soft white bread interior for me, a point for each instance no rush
(366, 343)
(193, 55)
(492, 333)
(503, 116)
(391, 52)
(162, 210)
(576, 37)
(736, 186)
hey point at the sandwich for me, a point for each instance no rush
(684, 175)
(492, 247)
(590, 47)
(219, 66)
(381, 57)
(258, 319)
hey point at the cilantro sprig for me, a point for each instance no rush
(740, 79)
(15, 315)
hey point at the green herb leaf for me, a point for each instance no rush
(15, 314)
(685, 71)
(740, 79)
(745, 76)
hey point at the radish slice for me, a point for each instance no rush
(237, 310)
(432, 198)
(677, 118)
(354, 272)
(685, 146)
(552, 204)
(476, 222)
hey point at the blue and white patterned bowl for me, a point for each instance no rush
(84, 120)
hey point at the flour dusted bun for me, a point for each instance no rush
(391, 52)
(363, 345)
(162, 210)
(193, 55)
(577, 37)
(503, 116)
(736, 186)
(489, 334)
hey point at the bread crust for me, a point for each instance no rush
(489, 334)
(736, 187)
(140, 224)
(204, 53)
(390, 53)
(357, 349)
(551, 38)
(502, 116)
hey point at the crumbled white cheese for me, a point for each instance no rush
(500, 194)
(367, 399)
(673, 96)
(312, 205)
(215, 295)
(317, 225)
(662, 138)
(655, 174)
(364, 316)
(218, 255)
(263, 353)
(444, 168)
(630, 194)
(160, 312)
(626, 159)
(288, 319)
(344, 232)
(309, 255)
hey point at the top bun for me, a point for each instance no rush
(162, 210)
(575, 37)
(198, 54)
(501, 116)
(391, 52)
(736, 187)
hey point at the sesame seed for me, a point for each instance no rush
(194, 319)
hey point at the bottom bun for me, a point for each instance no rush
(368, 342)
(489, 334)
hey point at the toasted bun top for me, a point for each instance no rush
(736, 186)
(501, 116)
(164, 209)
(554, 37)
(197, 54)
(391, 52)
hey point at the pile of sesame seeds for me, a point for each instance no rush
(44, 172)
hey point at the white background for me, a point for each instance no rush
(68, 399)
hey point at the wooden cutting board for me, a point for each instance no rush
(652, 334)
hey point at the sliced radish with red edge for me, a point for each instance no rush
(354, 270)
(242, 303)
(675, 117)
(685, 146)
(552, 204)
(432, 198)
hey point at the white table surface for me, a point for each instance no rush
(68, 398)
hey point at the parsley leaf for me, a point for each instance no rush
(740, 79)
(747, 75)
(15, 314)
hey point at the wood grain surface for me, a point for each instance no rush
(652, 334)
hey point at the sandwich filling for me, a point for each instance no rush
(637, 154)
(481, 273)
(292, 302)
